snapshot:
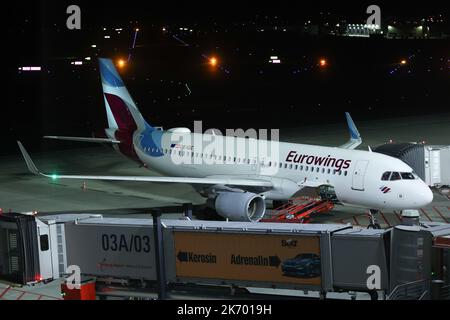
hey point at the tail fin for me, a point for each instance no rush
(121, 110)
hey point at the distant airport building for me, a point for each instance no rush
(407, 31)
(392, 28)
(414, 31)
(362, 30)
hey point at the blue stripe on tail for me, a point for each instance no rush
(109, 73)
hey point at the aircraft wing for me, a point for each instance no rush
(80, 139)
(227, 181)
(355, 137)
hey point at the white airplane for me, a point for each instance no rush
(237, 186)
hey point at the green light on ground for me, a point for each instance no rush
(54, 176)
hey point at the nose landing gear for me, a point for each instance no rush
(373, 221)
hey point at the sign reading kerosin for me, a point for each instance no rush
(327, 161)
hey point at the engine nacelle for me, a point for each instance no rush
(240, 206)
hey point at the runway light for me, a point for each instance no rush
(54, 176)
(30, 68)
(403, 62)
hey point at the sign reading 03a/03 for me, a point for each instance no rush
(250, 257)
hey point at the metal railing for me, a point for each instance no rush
(444, 292)
(415, 290)
(11, 293)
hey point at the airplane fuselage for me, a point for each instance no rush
(355, 175)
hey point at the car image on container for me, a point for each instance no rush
(304, 265)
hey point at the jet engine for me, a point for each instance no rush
(240, 206)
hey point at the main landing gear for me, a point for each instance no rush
(373, 221)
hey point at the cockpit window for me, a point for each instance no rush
(395, 176)
(407, 176)
(385, 176)
(392, 176)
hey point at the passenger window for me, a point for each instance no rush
(301, 168)
(385, 176)
(407, 176)
(318, 169)
(290, 166)
(345, 173)
(395, 176)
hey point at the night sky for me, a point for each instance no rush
(170, 79)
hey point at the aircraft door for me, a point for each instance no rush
(358, 175)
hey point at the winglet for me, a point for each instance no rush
(354, 133)
(30, 164)
(355, 137)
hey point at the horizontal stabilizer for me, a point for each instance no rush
(81, 139)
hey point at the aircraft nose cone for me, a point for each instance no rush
(426, 196)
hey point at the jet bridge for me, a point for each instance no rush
(198, 254)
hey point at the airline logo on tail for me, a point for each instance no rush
(121, 110)
(123, 114)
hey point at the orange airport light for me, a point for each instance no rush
(213, 61)
(121, 63)
(403, 62)
(323, 63)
